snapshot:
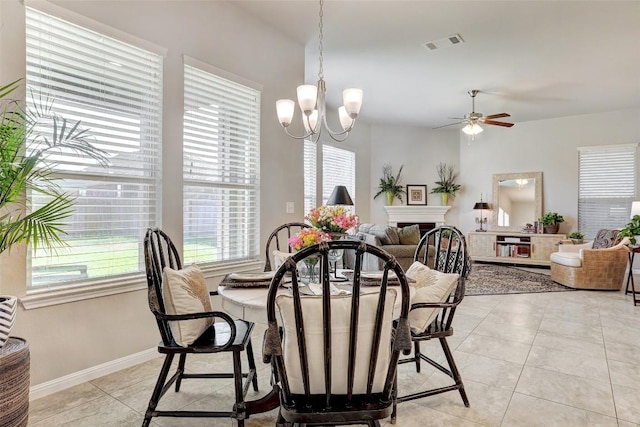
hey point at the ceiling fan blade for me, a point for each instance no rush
(450, 124)
(503, 124)
(497, 116)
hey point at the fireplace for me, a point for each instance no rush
(427, 217)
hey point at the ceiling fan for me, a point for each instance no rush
(473, 119)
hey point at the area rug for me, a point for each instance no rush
(492, 279)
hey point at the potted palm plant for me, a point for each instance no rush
(390, 184)
(446, 184)
(28, 169)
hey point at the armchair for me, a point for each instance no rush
(599, 264)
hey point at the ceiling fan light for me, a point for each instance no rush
(472, 129)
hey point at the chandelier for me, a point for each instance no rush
(311, 100)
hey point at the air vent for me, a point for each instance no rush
(444, 42)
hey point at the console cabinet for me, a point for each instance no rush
(513, 247)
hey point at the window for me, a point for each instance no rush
(338, 168)
(608, 179)
(221, 167)
(310, 174)
(114, 88)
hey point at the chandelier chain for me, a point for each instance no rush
(320, 36)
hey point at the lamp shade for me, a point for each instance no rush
(340, 196)
(635, 209)
(482, 205)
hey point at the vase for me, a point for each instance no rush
(8, 309)
(444, 198)
(390, 196)
(336, 254)
(552, 229)
(309, 270)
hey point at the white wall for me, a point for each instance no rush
(547, 146)
(70, 337)
(419, 150)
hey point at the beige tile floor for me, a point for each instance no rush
(549, 359)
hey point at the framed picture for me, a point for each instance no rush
(416, 194)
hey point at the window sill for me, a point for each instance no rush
(62, 295)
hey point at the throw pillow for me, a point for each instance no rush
(387, 235)
(605, 239)
(409, 235)
(185, 291)
(340, 321)
(431, 286)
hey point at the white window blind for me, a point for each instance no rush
(338, 168)
(221, 167)
(115, 89)
(310, 174)
(607, 187)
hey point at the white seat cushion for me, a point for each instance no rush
(340, 326)
(431, 286)
(185, 291)
(569, 259)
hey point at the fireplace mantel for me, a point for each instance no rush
(416, 214)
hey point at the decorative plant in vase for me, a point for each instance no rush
(576, 237)
(446, 184)
(631, 230)
(390, 184)
(30, 138)
(308, 267)
(332, 219)
(551, 222)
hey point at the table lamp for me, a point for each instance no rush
(340, 196)
(481, 206)
(635, 209)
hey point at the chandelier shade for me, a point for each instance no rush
(311, 100)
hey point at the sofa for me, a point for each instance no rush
(600, 264)
(399, 242)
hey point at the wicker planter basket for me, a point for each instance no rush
(14, 383)
(8, 309)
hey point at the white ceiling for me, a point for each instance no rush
(532, 59)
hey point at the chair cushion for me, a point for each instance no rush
(185, 291)
(569, 259)
(431, 286)
(605, 239)
(279, 257)
(409, 235)
(340, 327)
(387, 235)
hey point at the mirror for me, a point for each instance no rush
(517, 200)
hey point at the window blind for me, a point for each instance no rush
(310, 174)
(115, 90)
(607, 183)
(338, 168)
(221, 168)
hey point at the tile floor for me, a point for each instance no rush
(550, 359)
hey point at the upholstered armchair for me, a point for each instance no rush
(600, 264)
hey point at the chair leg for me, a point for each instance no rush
(181, 363)
(157, 390)
(394, 393)
(252, 365)
(416, 354)
(454, 370)
(237, 379)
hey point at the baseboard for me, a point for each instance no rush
(59, 384)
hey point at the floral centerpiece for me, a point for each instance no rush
(332, 219)
(302, 239)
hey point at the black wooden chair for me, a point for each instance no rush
(448, 248)
(279, 240)
(334, 357)
(225, 335)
